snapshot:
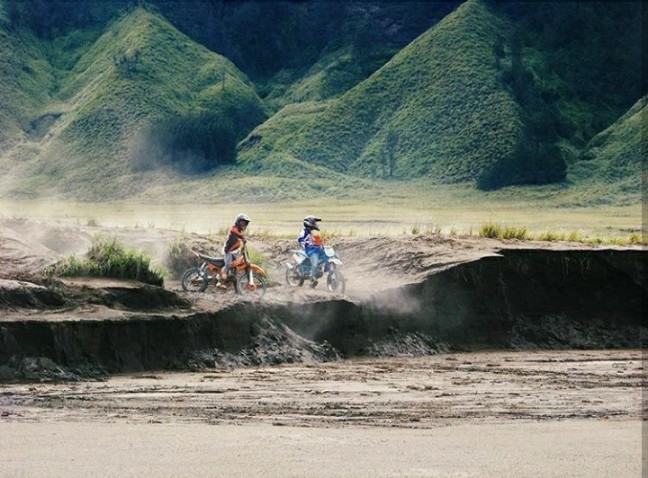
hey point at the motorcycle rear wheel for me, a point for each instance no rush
(294, 278)
(335, 282)
(194, 281)
(254, 290)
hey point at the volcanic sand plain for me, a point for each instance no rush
(479, 413)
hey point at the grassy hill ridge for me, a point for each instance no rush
(27, 81)
(142, 95)
(109, 110)
(615, 161)
(436, 109)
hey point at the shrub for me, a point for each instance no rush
(490, 230)
(497, 231)
(550, 236)
(258, 259)
(574, 236)
(108, 258)
(540, 164)
(635, 238)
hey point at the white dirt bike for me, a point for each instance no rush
(329, 264)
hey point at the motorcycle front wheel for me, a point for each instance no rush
(194, 281)
(335, 282)
(293, 277)
(252, 290)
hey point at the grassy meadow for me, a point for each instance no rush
(401, 210)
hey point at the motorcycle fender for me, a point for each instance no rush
(257, 269)
(289, 265)
(335, 261)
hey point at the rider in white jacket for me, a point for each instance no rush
(310, 242)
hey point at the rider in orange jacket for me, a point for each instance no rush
(233, 242)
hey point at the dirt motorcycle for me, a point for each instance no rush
(329, 263)
(248, 279)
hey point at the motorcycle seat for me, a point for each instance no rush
(217, 261)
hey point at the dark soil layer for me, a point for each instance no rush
(520, 299)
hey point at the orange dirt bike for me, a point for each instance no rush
(248, 279)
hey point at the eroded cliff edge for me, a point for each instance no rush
(513, 299)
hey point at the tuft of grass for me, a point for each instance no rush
(260, 260)
(498, 231)
(109, 258)
(550, 236)
(433, 230)
(574, 236)
(635, 238)
(490, 230)
(519, 233)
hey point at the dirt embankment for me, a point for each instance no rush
(411, 296)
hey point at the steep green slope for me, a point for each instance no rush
(263, 150)
(26, 81)
(143, 97)
(614, 164)
(331, 76)
(437, 109)
(501, 93)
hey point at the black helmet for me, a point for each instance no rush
(311, 222)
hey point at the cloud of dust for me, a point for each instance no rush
(399, 301)
(151, 150)
(332, 315)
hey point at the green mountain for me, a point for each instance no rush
(105, 100)
(142, 97)
(436, 109)
(615, 161)
(25, 83)
(487, 95)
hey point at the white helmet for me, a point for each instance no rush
(242, 217)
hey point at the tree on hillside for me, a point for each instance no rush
(391, 142)
(591, 54)
(532, 162)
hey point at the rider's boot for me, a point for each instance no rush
(221, 281)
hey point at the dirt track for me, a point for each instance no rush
(399, 408)
(410, 392)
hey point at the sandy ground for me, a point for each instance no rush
(487, 414)
(569, 448)
(568, 413)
